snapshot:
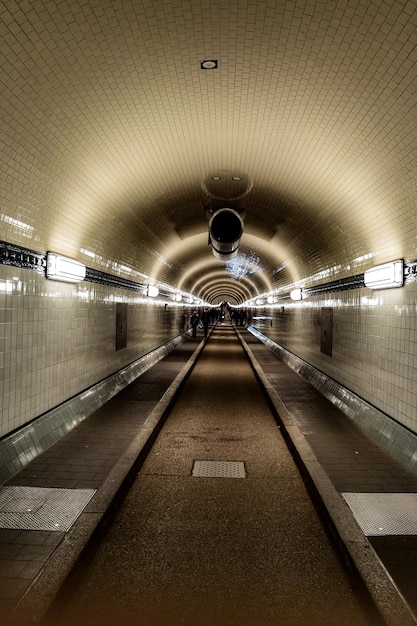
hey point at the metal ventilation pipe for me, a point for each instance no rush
(225, 231)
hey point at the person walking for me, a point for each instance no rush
(183, 323)
(205, 318)
(194, 319)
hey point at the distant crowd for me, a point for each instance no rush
(210, 315)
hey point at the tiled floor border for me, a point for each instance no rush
(19, 448)
(392, 436)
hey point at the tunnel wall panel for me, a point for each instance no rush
(58, 339)
(374, 344)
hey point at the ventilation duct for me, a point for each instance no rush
(225, 231)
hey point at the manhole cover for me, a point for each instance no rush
(219, 469)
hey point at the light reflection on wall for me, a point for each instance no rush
(364, 257)
(24, 228)
(6, 286)
(12, 286)
(370, 301)
(280, 268)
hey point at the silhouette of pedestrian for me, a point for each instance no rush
(194, 322)
(205, 319)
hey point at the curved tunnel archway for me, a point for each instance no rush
(113, 148)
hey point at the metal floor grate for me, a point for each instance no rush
(219, 469)
(40, 508)
(380, 514)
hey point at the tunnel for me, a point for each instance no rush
(122, 121)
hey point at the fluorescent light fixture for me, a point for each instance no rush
(385, 276)
(153, 291)
(178, 297)
(64, 269)
(296, 294)
(270, 299)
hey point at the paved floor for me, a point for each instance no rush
(186, 550)
(84, 458)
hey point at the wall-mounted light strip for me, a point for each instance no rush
(153, 291)
(17, 256)
(296, 294)
(385, 276)
(64, 269)
(342, 284)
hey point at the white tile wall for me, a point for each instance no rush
(374, 344)
(58, 339)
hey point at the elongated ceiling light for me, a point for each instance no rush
(64, 269)
(385, 276)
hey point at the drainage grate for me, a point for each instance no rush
(380, 514)
(40, 508)
(219, 469)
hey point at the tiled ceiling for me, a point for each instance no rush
(111, 133)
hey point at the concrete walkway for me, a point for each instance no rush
(187, 550)
(105, 452)
(98, 454)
